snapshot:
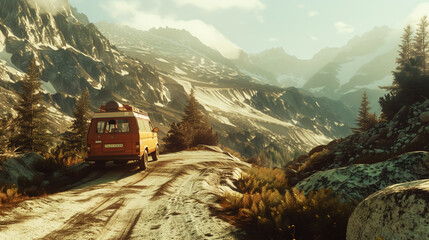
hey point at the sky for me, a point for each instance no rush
(300, 27)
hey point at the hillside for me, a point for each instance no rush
(369, 161)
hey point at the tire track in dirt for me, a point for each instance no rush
(110, 202)
(170, 200)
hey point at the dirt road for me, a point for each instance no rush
(170, 200)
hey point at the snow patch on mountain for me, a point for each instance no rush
(386, 81)
(179, 71)
(48, 87)
(291, 80)
(352, 67)
(162, 60)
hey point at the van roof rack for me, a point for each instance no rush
(114, 106)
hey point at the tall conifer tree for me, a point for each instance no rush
(193, 130)
(365, 119)
(76, 139)
(32, 134)
(196, 125)
(421, 47)
(406, 48)
(175, 139)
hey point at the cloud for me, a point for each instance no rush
(49, 6)
(420, 11)
(313, 13)
(207, 34)
(314, 38)
(273, 39)
(212, 5)
(343, 28)
(301, 6)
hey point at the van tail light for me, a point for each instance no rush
(137, 147)
(88, 148)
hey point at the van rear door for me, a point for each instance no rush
(114, 136)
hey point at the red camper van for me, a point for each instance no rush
(120, 133)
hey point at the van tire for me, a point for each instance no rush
(100, 164)
(155, 155)
(143, 161)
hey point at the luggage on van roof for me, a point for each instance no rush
(114, 106)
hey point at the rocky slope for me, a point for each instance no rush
(366, 162)
(358, 181)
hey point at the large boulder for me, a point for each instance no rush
(424, 117)
(20, 170)
(400, 211)
(358, 181)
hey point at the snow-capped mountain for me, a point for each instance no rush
(155, 70)
(234, 98)
(364, 63)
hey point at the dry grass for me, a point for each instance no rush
(10, 194)
(274, 211)
(9, 153)
(56, 159)
(314, 161)
(232, 152)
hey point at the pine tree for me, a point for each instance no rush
(196, 125)
(403, 59)
(31, 134)
(365, 119)
(76, 139)
(421, 47)
(174, 141)
(193, 130)
(411, 81)
(406, 48)
(6, 125)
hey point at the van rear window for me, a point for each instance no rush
(113, 126)
(144, 125)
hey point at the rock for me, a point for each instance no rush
(358, 181)
(425, 104)
(400, 211)
(14, 169)
(424, 117)
(389, 134)
(373, 138)
(379, 151)
(290, 172)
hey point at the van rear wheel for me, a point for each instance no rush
(100, 164)
(155, 155)
(143, 161)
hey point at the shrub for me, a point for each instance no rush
(56, 159)
(314, 161)
(273, 211)
(10, 194)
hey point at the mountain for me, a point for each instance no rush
(155, 70)
(242, 109)
(364, 63)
